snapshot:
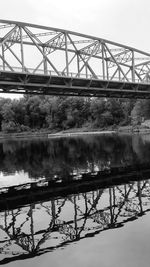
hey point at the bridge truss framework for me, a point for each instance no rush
(43, 60)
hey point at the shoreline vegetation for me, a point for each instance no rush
(55, 116)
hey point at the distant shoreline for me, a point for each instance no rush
(74, 132)
(48, 134)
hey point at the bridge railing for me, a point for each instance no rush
(68, 75)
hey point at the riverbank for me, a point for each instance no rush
(35, 134)
(56, 134)
(81, 133)
(133, 129)
(111, 130)
(76, 132)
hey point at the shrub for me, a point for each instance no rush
(10, 127)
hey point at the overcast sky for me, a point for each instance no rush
(123, 21)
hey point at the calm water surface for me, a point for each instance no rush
(107, 226)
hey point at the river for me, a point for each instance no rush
(92, 207)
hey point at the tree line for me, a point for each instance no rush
(33, 112)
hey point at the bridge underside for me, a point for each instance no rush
(23, 83)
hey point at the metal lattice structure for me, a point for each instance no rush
(43, 60)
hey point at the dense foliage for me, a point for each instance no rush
(61, 113)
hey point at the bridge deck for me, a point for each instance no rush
(17, 82)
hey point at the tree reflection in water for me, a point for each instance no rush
(39, 228)
(47, 158)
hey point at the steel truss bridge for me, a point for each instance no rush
(43, 60)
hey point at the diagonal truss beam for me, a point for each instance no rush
(119, 67)
(38, 47)
(86, 63)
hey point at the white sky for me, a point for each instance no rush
(123, 21)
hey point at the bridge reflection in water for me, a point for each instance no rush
(45, 225)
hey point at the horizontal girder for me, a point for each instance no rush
(22, 83)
